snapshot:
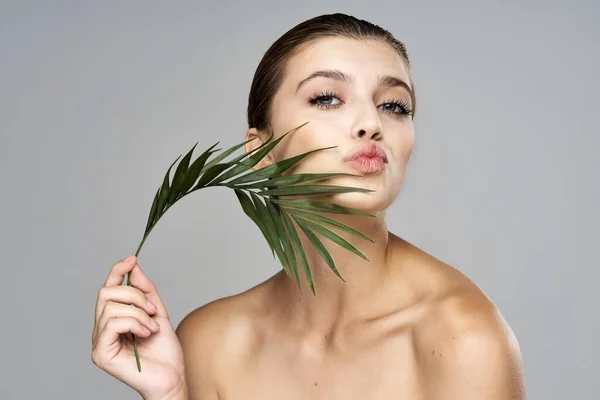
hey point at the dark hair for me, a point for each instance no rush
(270, 71)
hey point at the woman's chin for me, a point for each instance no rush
(371, 202)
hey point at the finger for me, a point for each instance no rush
(141, 282)
(125, 295)
(118, 310)
(115, 327)
(119, 270)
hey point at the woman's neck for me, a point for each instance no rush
(338, 303)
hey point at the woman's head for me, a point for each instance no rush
(350, 80)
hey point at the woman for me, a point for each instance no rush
(403, 325)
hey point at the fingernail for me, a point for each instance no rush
(150, 305)
(128, 259)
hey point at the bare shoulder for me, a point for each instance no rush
(214, 337)
(466, 348)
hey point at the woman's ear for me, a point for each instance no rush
(258, 138)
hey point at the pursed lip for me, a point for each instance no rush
(370, 150)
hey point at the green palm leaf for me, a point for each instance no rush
(318, 246)
(255, 158)
(211, 174)
(319, 218)
(272, 216)
(248, 206)
(179, 176)
(263, 214)
(285, 180)
(332, 236)
(313, 205)
(226, 153)
(287, 250)
(300, 252)
(274, 169)
(152, 210)
(164, 191)
(195, 169)
(311, 190)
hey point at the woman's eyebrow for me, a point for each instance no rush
(392, 81)
(327, 73)
(384, 80)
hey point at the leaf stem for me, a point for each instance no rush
(135, 348)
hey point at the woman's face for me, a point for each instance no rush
(351, 106)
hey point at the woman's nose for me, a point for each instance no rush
(368, 124)
(369, 134)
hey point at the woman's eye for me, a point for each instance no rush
(392, 107)
(396, 108)
(329, 100)
(326, 101)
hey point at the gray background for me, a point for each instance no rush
(96, 100)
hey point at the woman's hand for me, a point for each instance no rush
(138, 309)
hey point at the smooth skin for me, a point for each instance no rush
(137, 309)
(403, 325)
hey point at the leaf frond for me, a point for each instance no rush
(318, 246)
(275, 218)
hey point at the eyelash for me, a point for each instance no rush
(404, 107)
